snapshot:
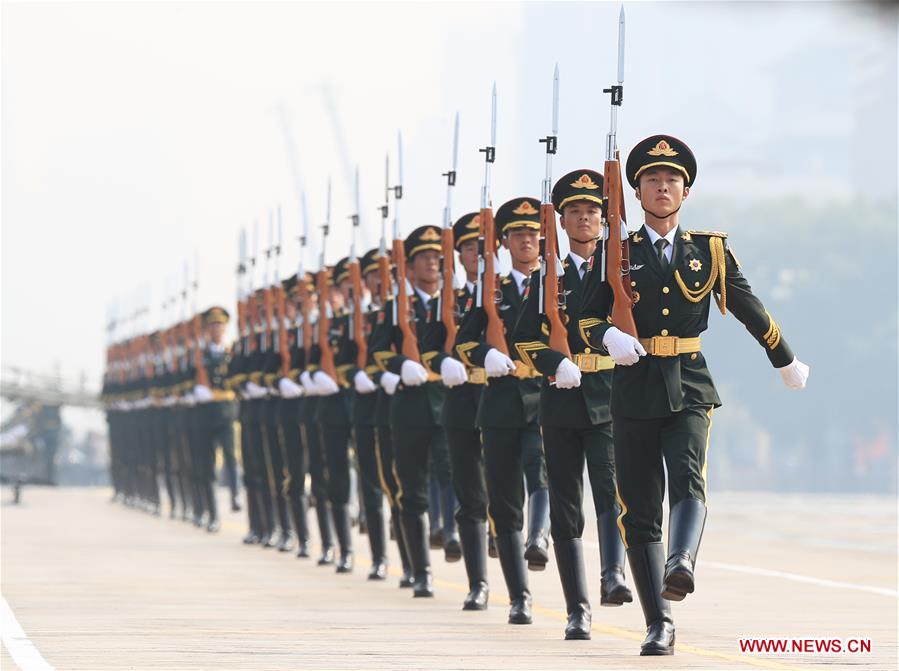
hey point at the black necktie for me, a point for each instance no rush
(661, 245)
(584, 266)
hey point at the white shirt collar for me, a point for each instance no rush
(470, 287)
(578, 262)
(422, 295)
(519, 279)
(217, 348)
(653, 236)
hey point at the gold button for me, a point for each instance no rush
(633, 284)
(695, 284)
(586, 350)
(665, 311)
(664, 332)
(665, 290)
(694, 355)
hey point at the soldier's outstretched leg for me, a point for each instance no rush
(573, 576)
(452, 548)
(248, 456)
(297, 467)
(335, 438)
(415, 531)
(391, 488)
(435, 514)
(647, 562)
(534, 465)
(372, 499)
(474, 552)
(510, 547)
(614, 592)
(319, 480)
(685, 526)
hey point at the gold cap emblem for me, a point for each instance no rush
(525, 209)
(662, 148)
(584, 182)
(430, 235)
(474, 223)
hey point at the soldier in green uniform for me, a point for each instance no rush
(218, 404)
(507, 414)
(574, 410)
(418, 395)
(365, 400)
(459, 420)
(663, 395)
(333, 413)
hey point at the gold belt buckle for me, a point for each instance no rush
(663, 346)
(588, 363)
(477, 376)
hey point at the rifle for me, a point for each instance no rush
(267, 303)
(487, 246)
(448, 257)
(280, 308)
(194, 329)
(383, 260)
(615, 226)
(549, 244)
(401, 300)
(305, 336)
(357, 320)
(241, 298)
(326, 362)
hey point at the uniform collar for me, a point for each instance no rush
(518, 278)
(653, 236)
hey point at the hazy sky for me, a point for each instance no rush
(136, 133)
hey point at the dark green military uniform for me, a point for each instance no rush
(662, 405)
(415, 410)
(576, 425)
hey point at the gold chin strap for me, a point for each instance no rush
(716, 246)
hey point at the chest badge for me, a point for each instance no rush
(695, 265)
(637, 239)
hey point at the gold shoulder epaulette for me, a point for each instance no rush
(717, 234)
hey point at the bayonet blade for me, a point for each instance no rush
(456, 143)
(399, 160)
(493, 117)
(621, 46)
(556, 101)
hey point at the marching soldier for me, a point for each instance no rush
(365, 403)
(574, 410)
(217, 404)
(418, 396)
(663, 395)
(333, 412)
(508, 414)
(459, 420)
(296, 456)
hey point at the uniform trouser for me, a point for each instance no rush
(369, 471)
(413, 446)
(641, 445)
(390, 483)
(165, 449)
(505, 453)
(260, 474)
(276, 460)
(439, 464)
(336, 442)
(248, 459)
(297, 458)
(317, 466)
(467, 462)
(221, 433)
(566, 450)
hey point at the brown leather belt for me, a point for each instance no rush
(670, 345)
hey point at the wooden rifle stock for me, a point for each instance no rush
(558, 334)
(283, 351)
(358, 316)
(384, 275)
(324, 325)
(404, 322)
(305, 311)
(617, 251)
(494, 332)
(202, 378)
(447, 294)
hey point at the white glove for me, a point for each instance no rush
(202, 393)
(308, 385)
(413, 373)
(324, 383)
(568, 376)
(389, 382)
(453, 372)
(624, 348)
(188, 399)
(498, 364)
(255, 391)
(289, 389)
(794, 374)
(363, 383)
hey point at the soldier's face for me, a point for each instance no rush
(372, 282)
(523, 244)
(662, 190)
(216, 332)
(468, 255)
(582, 219)
(290, 308)
(338, 297)
(426, 266)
